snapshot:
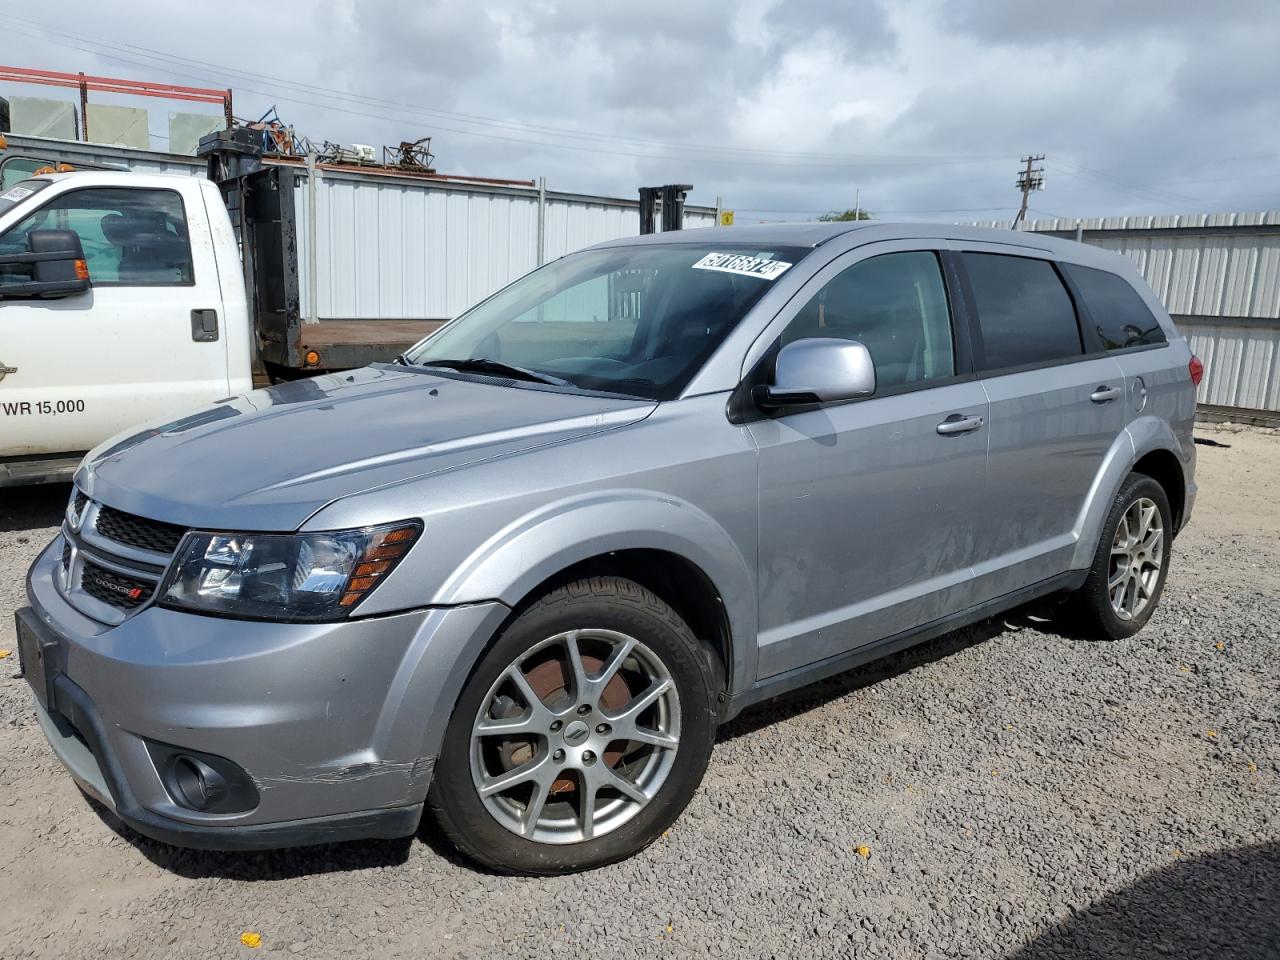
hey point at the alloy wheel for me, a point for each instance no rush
(575, 737)
(1137, 556)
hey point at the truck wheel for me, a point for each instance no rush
(581, 735)
(1132, 560)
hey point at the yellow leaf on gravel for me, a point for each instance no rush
(1183, 668)
(251, 938)
(864, 852)
(5, 653)
(1219, 645)
(1253, 767)
(1211, 734)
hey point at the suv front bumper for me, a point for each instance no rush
(336, 724)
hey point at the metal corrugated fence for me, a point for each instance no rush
(393, 247)
(1218, 275)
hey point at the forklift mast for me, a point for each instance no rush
(671, 197)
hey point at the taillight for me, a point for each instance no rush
(1196, 368)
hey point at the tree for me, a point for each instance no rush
(843, 215)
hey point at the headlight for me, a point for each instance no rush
(269, 576)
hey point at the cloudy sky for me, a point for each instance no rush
(784, 109)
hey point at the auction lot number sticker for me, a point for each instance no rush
(743, 265)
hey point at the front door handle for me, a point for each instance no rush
(1104, 393)
(204, 326)
(959, 423)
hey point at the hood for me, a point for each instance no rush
(272, 458)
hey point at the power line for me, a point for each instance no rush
(1138, 190)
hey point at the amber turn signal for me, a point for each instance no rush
(82, 270)
(380, 557)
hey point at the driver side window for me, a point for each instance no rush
(131, 237)
(896, 306)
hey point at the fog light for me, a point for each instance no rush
(196, 784)
(200, 781)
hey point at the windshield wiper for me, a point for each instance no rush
(485, 365)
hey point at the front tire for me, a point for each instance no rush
(1129, 568)
(581, 735)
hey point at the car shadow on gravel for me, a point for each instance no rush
(1041, 615)
(33, 508)
(1224, 906)
(284, 864)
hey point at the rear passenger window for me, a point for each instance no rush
(896, 306)
(1116, 310)
(1025, 313)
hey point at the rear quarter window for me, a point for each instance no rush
(1117, 312)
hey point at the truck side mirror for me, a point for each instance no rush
(818, 370)
(56, 263)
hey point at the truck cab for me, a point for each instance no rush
(160, 326)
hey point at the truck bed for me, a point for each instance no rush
(343, 344)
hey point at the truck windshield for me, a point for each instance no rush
(636, 320)
(19, 192)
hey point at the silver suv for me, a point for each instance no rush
(521, 574)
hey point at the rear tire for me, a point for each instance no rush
(583, 792)
(1131, 563)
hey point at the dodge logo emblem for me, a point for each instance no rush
(133, 593)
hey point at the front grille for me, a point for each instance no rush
(66, 557)
(138, 532)
(117, 589)
(81, 500)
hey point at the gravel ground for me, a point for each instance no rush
(1005, 791)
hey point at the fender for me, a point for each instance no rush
(512, 562)
(1140, 437)
(472, 605)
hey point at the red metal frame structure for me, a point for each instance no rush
(140, 88)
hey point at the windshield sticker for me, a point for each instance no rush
(17, 193)
(743, 265)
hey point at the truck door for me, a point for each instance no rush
(144, 342)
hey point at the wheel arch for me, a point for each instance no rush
(666, 545)
(674, 579)
(1147, 444)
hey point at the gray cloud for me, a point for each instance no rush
(1144, 106)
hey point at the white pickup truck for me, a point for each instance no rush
(121, 301)
(124, 298)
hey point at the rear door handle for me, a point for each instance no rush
(1104, 393)
(959, 423)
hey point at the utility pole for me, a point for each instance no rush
(1029, 178)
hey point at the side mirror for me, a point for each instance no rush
(818, 370)
(55, 260)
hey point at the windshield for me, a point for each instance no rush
(638, 320)
(19, 192)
